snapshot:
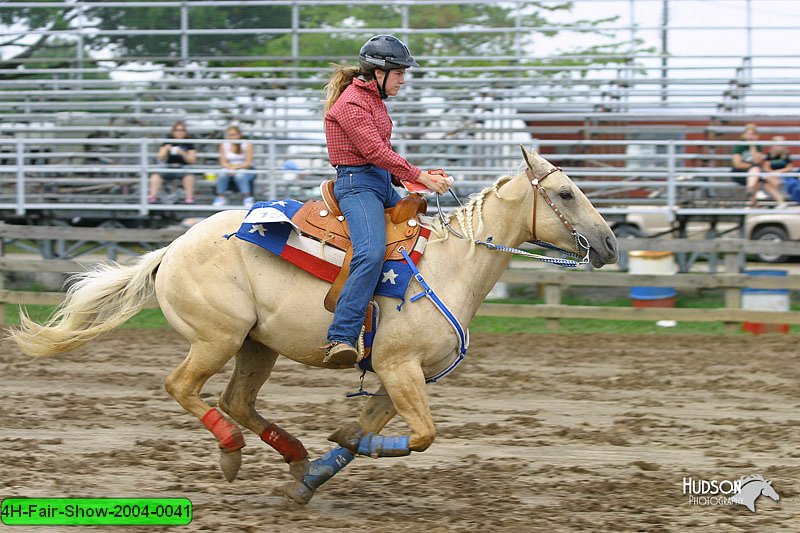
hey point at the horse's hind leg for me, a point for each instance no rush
(252, 367)
(184, 384)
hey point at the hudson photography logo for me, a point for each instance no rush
(743, 491)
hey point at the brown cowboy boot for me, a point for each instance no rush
(340, 355)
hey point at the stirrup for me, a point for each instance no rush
(339, 355)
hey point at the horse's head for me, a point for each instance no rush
(769, 492)
(561, 214)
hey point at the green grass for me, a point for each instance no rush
(153, 318)
(492, 324)
(703, 299)
(146, 318)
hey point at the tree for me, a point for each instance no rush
(28, 44)
(274, 48)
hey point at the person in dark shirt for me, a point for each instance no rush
(778, 158)
(179, 155)
(749, 158)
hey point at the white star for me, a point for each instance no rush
(389, 276)
(258, 228)
(280, 203)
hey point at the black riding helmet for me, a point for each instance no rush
(385, 52)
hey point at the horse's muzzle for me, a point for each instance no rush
(604, 252)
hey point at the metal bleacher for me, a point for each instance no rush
(81, 139)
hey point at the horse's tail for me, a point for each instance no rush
(99, 301)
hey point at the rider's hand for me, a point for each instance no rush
(438, 183)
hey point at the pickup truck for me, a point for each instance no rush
(782, 225)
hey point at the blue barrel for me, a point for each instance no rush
(653, 296)
(652, 262)
(652, 293)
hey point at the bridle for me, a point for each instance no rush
(581, 243)
(536, 192)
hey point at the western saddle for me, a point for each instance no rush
(323, 220)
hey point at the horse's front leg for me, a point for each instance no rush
(407, 396)
(376, 413)
(405, 385)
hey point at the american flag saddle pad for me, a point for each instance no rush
(269, 225)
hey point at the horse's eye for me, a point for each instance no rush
(566, 195)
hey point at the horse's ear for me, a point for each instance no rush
(527, 156)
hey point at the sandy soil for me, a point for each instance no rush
(536, 433)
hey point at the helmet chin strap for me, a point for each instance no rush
(382, 86)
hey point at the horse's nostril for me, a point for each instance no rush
(610, 244)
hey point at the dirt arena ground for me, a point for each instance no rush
(536, 433)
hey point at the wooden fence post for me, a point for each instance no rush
(733, 295)
(552, 296)
(2, 284)
(2, 299)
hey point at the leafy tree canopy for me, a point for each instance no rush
(228, 48)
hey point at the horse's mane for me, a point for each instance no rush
(748, 479)
(466, 215)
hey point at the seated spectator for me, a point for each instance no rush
(778, 162)
(178, 155)
(778, 158)
(749, 158)
(236, 158)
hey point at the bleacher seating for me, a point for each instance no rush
(101, 132)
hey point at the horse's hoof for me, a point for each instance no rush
(347, 436)
(230, 463)
(299, 493)
(298, 468)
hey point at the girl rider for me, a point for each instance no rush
(358, 131)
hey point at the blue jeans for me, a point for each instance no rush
(363, 193)
(242, 177)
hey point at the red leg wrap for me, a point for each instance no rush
(289, 447)
(229, 437)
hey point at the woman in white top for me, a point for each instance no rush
(236, 159)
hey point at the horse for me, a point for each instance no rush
(751, 488)
(231, 299)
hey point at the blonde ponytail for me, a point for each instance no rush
(342, 77)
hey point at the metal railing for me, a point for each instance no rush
(672, 177)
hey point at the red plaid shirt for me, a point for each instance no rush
(358, 130)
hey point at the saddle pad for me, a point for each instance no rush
(268, 225)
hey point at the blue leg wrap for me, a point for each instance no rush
(318, 471)
(382, 446)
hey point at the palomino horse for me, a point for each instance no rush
(229, 298)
